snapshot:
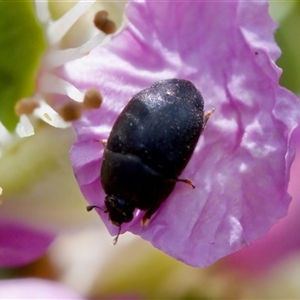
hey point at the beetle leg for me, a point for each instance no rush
(187, 181)
(207, 116)
(104, 143)
(117, 237)
(91, 207)
(148, 214)
(144, 221)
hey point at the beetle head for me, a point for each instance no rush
(119, 211)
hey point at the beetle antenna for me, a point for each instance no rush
(91, 207)
(117, 237)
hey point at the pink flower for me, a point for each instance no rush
(29, 218)
(32, 288)
(281, 241)
(241, 164)
(21, 243)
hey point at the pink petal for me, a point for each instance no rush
(241, 164)
(283, 238)
(31, 288)
(21, 244)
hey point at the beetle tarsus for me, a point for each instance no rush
(207, 116)
(104, 142)
(145, 221)
(149, 214)
(117, 237)
(187, 181)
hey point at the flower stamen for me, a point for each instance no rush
(70, 111)
(92, 99)
(26, 106)
(103, 23)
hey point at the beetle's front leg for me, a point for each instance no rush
(148, 214)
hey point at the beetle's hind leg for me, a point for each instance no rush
(187, 181)
(207, 116)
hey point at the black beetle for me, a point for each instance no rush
(150, 144)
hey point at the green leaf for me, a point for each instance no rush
(21, 46)
(287, 37)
